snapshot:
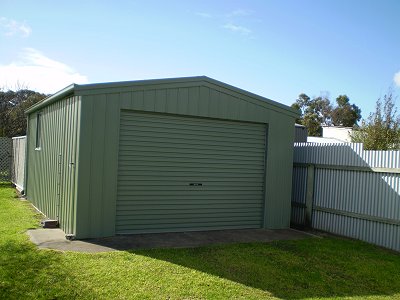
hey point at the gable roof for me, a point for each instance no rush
(79, 89)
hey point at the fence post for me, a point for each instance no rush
(309, 194)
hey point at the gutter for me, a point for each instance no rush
(53, 98)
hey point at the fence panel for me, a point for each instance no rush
(5, 159)
(299, 185)
(356, 193)
(18, 162)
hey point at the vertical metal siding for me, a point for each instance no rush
(300, 134)
(358, 203)
(51, 170)
(98, 162)
(299, 186)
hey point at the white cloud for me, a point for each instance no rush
(38, 72)
(239, 13)
(230, 20)
(10, 27)
(237, 28)
(204, 15)
(396, 79)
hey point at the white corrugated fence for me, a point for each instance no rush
(345, 190)
(18, 162)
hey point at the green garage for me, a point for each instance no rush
(167, 155)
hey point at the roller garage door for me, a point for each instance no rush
(183, 174)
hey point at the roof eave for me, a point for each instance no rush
(51, 99)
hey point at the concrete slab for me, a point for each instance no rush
(55, 239)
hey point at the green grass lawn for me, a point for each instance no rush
(326, 268)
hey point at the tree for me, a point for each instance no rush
(12, 108)
(302, 102)
(345, 114)
(314, 113)
(381, 131)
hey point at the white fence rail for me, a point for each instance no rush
(18, 162)
(343, 189)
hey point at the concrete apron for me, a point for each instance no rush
(55, 239)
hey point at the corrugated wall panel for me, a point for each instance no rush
(299, 186)
(161, 155)
(300, 134)
(385, 235)
(51, 169)
(98, 150)
(350, 198)
(194, 101)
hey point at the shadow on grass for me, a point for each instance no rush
(26, 273)
(311, 268)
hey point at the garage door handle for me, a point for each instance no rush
(195, 184)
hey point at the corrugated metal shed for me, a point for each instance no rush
(300, 133)
(160, 155)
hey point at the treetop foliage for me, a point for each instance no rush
(345, 114)
(319, 111)
(381, 131)
(12, 110)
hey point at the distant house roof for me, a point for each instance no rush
(340, 133)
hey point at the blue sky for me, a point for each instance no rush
(277, 49)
